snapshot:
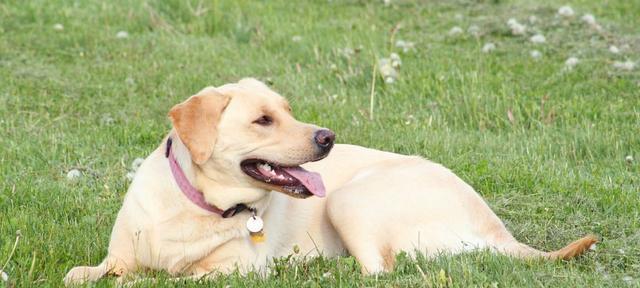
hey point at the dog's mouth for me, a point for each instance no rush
(294, 181)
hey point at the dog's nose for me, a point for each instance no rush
(324, 138)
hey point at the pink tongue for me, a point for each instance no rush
(311, 180)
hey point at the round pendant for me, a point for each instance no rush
(255, 224)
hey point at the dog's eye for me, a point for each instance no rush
(264, 120)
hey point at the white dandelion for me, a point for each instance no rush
(346, 52)
(58, 27)
(629, 158)
(566, 11)
(627, 279)
(455, 31)
(488, 48)
(107, 120)
(571, 62)
(474, 30)
(396, 62)
(626, 65)
(589, 19)
(516, 27)
(73, 174)
(296, 38)
(122, 35)
(387, 70)
(406, 46)
(4, 276)
(614, 49)
(538, 39)
(535, 54)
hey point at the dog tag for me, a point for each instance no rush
(257, 237)
(255, 224)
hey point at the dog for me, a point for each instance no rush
(202, 202)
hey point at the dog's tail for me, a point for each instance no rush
(574, 249)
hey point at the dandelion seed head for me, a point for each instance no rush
(73, 174)
(516, 27)
(406, 46)
(58, 27)
(629, 158)
(538, 39)
(122, 35)
(571, 62)
(395, 60)
(566, 11)
(346, 52)
(296, 38)
(455, 31)
(626, 65)
(589, 19)
(535, 54)
(474, 30)
(614, 49)
(488, 48)
(387, 70)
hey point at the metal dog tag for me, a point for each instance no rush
(255, 224)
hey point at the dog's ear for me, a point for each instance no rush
(196, 122)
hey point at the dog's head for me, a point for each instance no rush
(245, 134)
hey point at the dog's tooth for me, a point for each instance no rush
(265, 167)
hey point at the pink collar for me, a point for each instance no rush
(191, 192)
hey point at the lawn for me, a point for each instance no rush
(553, 147)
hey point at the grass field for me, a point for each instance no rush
(555, 151)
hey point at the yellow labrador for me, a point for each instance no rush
(202, 201)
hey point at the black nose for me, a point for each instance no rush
(324, 138)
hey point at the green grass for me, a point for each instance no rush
(81, 98)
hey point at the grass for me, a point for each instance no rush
(554, 170)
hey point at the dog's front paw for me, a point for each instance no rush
(83, 274)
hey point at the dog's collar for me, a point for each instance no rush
(195, 196)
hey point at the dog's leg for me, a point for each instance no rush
(120, 258)
(82, 274)
(360, 240)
